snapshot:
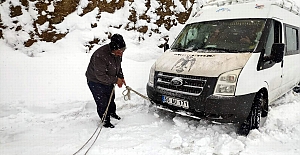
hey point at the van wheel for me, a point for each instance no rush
(257, 115)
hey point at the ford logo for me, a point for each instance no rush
(176, 82)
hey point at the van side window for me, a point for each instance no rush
(272, 34)
(274, 37)
(292, 40)
(270, 41)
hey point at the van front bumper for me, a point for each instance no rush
(223, 109)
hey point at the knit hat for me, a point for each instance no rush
(117, 42)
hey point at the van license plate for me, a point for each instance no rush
(175, 102)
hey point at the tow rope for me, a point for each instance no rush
(126, 94)
(99, 126)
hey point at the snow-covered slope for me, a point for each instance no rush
(47, 108)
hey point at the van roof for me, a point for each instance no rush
(230, 9)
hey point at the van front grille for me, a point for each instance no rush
(189, 85)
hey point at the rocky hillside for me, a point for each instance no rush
(49, 13)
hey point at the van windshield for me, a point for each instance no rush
(220, 36)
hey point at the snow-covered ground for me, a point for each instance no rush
(46, 107)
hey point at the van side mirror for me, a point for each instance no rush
(277, 52)
(166, 47)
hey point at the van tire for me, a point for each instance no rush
(257, 115)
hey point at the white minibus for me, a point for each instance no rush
(229, 63)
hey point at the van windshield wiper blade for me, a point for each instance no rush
(182, 49)
(219, 49)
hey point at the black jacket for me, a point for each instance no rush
(104, 67)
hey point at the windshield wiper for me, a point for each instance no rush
(182, 49)
(219, 49)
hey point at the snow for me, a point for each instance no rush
(46, 106)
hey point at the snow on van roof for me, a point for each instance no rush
(239, 9)
(289, 5)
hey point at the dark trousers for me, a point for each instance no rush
(101, 94)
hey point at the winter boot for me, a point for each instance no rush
(107, 123)
(115, 116)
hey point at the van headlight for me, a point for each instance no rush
(226, 84)
(151, 76)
